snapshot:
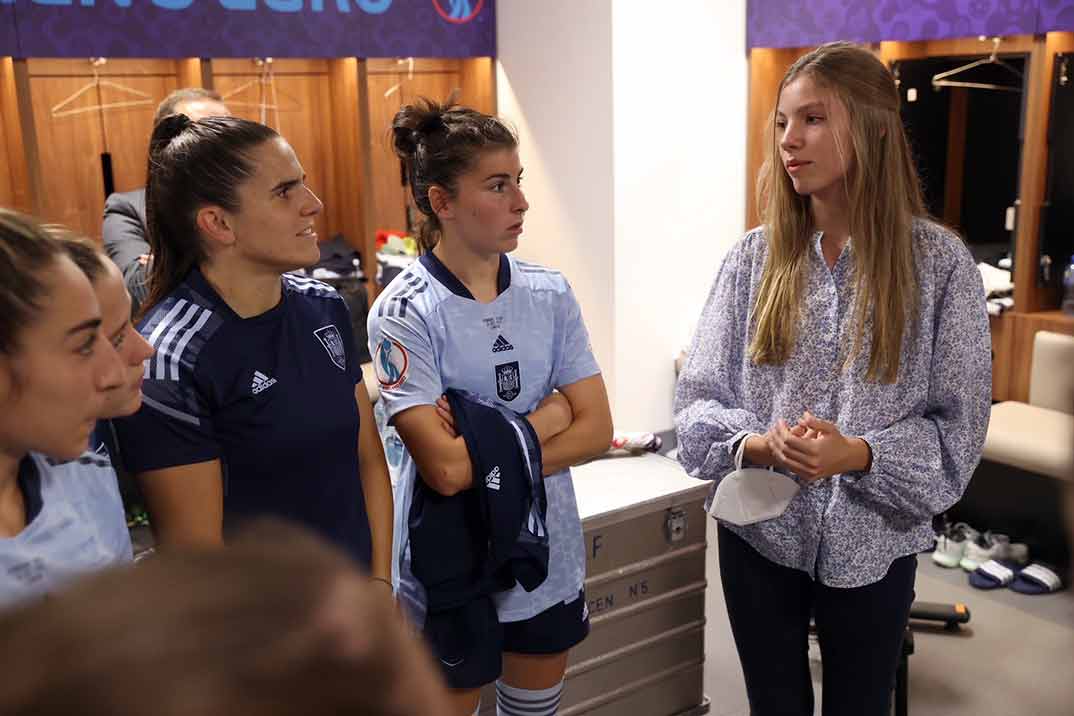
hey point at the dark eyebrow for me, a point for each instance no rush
(287, 184)
(119, 331)
(92, 324)
(498, 176)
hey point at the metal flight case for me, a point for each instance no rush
(644, 525)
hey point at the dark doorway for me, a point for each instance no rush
(1057, 224)
(967, 143)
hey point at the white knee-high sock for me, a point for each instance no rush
(513, 701)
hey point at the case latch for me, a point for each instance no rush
(675, 525)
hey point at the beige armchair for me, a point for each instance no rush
(1038, 436)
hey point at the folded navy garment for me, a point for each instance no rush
(487, 538)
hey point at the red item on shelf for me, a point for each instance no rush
(383, 234)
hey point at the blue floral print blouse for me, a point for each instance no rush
(926, 430)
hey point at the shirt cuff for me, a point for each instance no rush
(871, 444)
(738, 440)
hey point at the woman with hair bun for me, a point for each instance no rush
(467, 316)
(254, 403)
(844, 344)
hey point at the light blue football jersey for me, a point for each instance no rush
(78, 527)
(428, 334)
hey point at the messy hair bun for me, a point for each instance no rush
(416, 121)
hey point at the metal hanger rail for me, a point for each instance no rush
(941, 79)
(268, 94)
(96, 84)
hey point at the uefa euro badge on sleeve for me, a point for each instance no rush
(750, 495)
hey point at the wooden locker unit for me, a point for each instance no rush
(644, 523)
(332, 111)
(1002, 330)
(352, 180)
(478, 77)
(1013, 331)
(767, 67)
(1029, 296)
(66, 150)
(7, 185)
(301, 92)
(434, 79)
(388, 193)
(14, 181)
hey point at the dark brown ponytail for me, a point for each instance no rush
(192, 165)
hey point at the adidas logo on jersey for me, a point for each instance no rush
(261, 382)
(501, 345)
(492, 480)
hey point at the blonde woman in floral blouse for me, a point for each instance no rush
(846, 342)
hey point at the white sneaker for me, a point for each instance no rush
(993, 546)
(951, 545)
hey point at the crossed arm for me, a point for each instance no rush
(572, 424)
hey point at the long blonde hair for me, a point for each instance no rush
(883, 196)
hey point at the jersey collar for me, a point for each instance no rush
(197, 282)
(29, 481)
(442, 274)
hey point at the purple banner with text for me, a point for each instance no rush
(8, 38)
(247, 28)
(805, 23)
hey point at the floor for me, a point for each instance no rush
(1014, 658)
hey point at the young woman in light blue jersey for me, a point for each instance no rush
(60, 510)
(118, 329)
(467, 316)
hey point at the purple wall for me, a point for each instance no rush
(801, 23)
(250, 28)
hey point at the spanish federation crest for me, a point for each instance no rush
(508, 384)
(333, 343)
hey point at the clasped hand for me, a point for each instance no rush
(814, 449)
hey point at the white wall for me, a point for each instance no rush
(554, 82)
(632, 128)
(680, 99)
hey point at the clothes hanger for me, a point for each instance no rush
(268, 94)
(409, 75)
(96, 84)
(940, 80)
